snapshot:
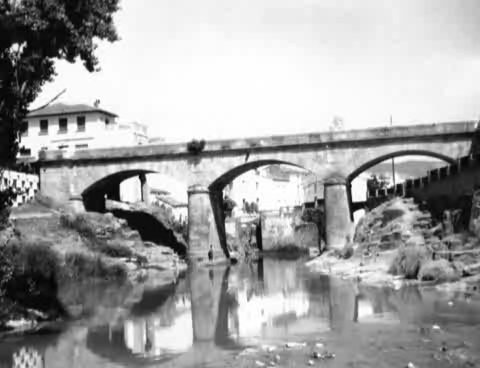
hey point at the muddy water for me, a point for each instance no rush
(212, 315)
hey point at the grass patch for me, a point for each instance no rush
(81, 266)
(79, 223)
(408, 261)
(114, 250)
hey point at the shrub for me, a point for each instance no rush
(29, 274)
(6, 200)
(408, 261)
(195, 146)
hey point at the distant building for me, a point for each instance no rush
(74, 127)
(274, 186)
(178, 209)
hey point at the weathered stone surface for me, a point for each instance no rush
(438, 270)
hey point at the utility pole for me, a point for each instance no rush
(393, 162)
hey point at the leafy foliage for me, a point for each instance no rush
(33, 34)
(195, 146)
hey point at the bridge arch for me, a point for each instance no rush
(220, 182)
(94, 195)
(367, 165)
(151, 225)
(209, 200)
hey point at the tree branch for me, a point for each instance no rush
(50, 102)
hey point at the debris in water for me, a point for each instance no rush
(272, 363)
(436, 327)
(316, 355)
(319, 345)
(311, 362)
(295, 344)
(410, 365)
(450, 303)
(276, 358)
(258, 363)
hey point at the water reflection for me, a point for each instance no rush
(202, 318)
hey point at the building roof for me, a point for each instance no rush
(61, 108)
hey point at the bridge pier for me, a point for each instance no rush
(202, 224)
(144, 189)
(338, 220)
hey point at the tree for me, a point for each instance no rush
(337, 124)
(33, 34)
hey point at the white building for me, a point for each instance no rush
(274, 186)
(75, 127)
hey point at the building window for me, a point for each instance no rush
(80, 123)
(24, 129)
(43, 127)
(107, 122)
(63, 146)
(81, 146)
(62, 125)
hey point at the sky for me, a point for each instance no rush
(218, 69)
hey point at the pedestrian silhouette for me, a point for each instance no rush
(210, 253)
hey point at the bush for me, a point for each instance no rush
(29, 274)
(6, 200)
(408, 261)
(195, 146)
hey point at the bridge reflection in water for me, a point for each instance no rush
(218, 310)
(214, 312)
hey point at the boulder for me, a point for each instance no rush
(439, 270)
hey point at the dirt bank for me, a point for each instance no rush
(45, 257)
(397, 243)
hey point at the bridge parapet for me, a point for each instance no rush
(258, 144)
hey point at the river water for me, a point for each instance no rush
(211, 315)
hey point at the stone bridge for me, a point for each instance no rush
(87, 177)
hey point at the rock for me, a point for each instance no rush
(268, 348)
(439, 270)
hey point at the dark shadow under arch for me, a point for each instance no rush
(93, 196)
(150, 228)
(380, 159)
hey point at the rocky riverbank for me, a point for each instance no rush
(51, 263)
(397, 243)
